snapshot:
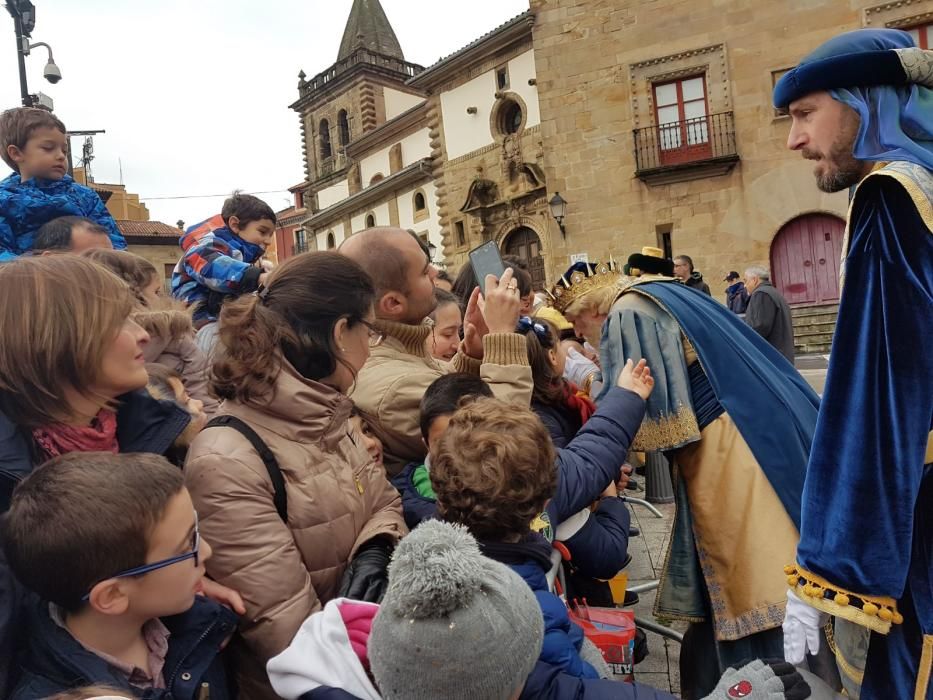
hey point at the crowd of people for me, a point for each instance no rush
(346, 476)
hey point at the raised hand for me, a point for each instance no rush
(503, 303)
(636, 378)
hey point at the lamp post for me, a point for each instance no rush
(432, 251)
(24, 21)
(558, 206)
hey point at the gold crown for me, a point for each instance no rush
(579, 283)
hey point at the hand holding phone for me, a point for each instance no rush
(503, 303)
(486, 260)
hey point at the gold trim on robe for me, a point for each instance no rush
(875, 612)
(740, 528)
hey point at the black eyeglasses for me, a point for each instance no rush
(376, 336)
(156, 565)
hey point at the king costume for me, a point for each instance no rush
(737, 420)
(866, 542)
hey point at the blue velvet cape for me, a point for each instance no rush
(772, 406)
(868, 498)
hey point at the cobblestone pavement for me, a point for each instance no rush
(660, 669)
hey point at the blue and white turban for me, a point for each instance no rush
(884, 77)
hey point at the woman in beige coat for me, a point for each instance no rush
(292, 353)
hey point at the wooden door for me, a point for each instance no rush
(805, 259)
(524, 244)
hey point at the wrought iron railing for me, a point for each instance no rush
(681, 143)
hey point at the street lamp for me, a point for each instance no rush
(24, 21)
(558, 206)
(432, 250)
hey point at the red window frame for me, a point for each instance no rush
(923, 32)
(686, 151)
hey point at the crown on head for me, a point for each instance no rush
(581, 279)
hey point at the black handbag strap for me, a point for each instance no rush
(279, 496)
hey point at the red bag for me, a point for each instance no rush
(613, 631)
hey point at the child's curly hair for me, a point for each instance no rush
(494, 469)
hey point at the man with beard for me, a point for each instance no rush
(736, 420)
(862, 109)
(393, 381)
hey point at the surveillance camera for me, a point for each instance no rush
(52, 73)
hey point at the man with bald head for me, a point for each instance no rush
(391, 384)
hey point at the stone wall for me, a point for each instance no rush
(497, 188)
(164, 257)
(596, 60)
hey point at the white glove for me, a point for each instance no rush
(802, 625)
(578, 368)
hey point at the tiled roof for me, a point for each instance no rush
(154, 229)
(525, 18)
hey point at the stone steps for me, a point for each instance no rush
(813, 328)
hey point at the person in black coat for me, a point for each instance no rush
(683, 270)
(736, 294)
(768, 313)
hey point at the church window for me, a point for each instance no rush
(343, 126)
(324, 136)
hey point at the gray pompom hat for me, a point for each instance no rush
(453, 624)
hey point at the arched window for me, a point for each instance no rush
(370, 220)
(331, 241)
(419, 205)
(343, 126)
(324, 136)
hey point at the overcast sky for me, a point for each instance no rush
(194, 94)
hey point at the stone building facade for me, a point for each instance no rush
(651, 118)
(487, 151)
(658, 130)
(365, 141)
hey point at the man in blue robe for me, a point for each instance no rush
(862, 110)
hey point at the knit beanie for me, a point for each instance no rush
(453, 624)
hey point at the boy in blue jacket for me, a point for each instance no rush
(586, 470)
(221, 264)
(110, 544)
(35, 145)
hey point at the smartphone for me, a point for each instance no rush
(486, 260)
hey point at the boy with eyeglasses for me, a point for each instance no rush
(110, 544)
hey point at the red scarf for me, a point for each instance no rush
(59, 439)
(578, 401)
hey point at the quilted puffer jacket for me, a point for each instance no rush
(25, 206)
(338, 499)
